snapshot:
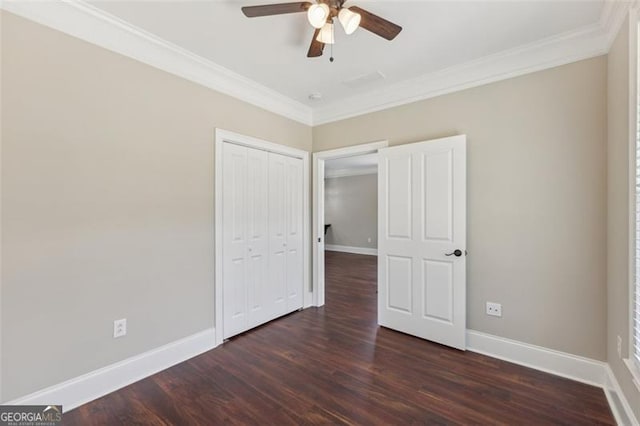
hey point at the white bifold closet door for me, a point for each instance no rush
(262, 237)
(285, 233)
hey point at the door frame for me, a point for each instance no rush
(318, 206)
(222, 136)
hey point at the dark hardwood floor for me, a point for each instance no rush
(334, 365)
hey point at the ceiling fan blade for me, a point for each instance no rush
(275, 9)
(376, 24)
(316, 47)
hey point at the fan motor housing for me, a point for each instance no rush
(334, 6)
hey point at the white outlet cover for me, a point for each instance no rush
(120, 328)
(494, 309)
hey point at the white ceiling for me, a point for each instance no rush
(446, 46)
(272, 50)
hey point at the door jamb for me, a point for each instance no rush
(318, 207)
(251, 142)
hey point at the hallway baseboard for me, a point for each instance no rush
(349, 249)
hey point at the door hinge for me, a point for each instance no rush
(319, 239)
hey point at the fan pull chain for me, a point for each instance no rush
(334, 42)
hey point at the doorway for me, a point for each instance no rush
(319, 163)
(351, 229)
(421, 236)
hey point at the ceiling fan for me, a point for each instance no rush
(321, 15)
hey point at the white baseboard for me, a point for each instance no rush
(354, 250)
(581, 369)
(82, 389)
(617, 401)
(573, 367)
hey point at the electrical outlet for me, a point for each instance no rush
(120, 328)
(369, 239)
(619, 346)
(494, 309)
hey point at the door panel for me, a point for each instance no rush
(294, 191)
(258, 238)
(422, 220)
(438, 194)
(438, 290)
(399, 189)
(234, 239)
(400, 294)
(277, 234)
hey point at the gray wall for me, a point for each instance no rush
(107, 198)
(536, 197)
(351, 207)
(618, 213)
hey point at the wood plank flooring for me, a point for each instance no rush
(334, 365)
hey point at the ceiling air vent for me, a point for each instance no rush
(364, 80)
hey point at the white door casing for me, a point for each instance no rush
(421, 223)
(318, 227)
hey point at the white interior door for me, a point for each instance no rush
(422, 240)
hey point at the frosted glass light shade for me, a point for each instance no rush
(318, 14)
(350, 20)
(326, 34)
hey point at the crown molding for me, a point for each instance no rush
(612, 17)
(583, 43)
(84, 21)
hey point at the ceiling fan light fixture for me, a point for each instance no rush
(318, 14)
(326, 34)
(350, 20)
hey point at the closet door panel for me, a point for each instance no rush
(277, 234)
(294, 209)
(234, 231)
(257, 237)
